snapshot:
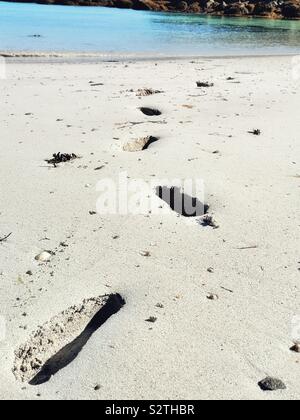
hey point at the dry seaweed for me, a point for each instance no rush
(204, 84)
(255, 132)
(60, 158)
(5, 237)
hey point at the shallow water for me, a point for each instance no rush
(97, 29)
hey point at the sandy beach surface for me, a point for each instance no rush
(225, 301)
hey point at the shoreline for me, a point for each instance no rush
(94, 58)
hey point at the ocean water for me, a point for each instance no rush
(97, 29)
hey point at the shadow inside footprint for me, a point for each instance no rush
(150, 112)
(181, 203)
(68, 353)
(140, 144)
(150, 140)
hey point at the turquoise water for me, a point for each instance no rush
(97, 29)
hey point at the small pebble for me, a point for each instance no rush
(44, 256)
(271, 384)
(145, 253)
(212, 296)
(151, 319)
(296, 348)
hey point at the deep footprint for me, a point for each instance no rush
(150, 112)
(139, 144)
(58, 342)
(181, 203)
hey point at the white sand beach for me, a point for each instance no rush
(225, 301)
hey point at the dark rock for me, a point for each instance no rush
(271, 384)
(124, 4)
(195, 8)
(183, 6)
(220, 6)
(291, 10)
(236, 9)
(147, 5)
(295, 348)
(141, 5)
(205, 3)
(263, 9)
(250, 8)
(229, 2)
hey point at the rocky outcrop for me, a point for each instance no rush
(291, 10)
(275, 9)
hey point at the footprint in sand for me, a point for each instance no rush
(150, 112)
(181, 203)
(139, 144)
(58, 342)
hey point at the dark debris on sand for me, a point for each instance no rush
(5, 237)
(147, 92)
(208, 220)
(255, 132)
(151, 319)
(60, 158)
(204, 84)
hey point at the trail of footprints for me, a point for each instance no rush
(58, 342)
(143, 143)
(182, 203)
